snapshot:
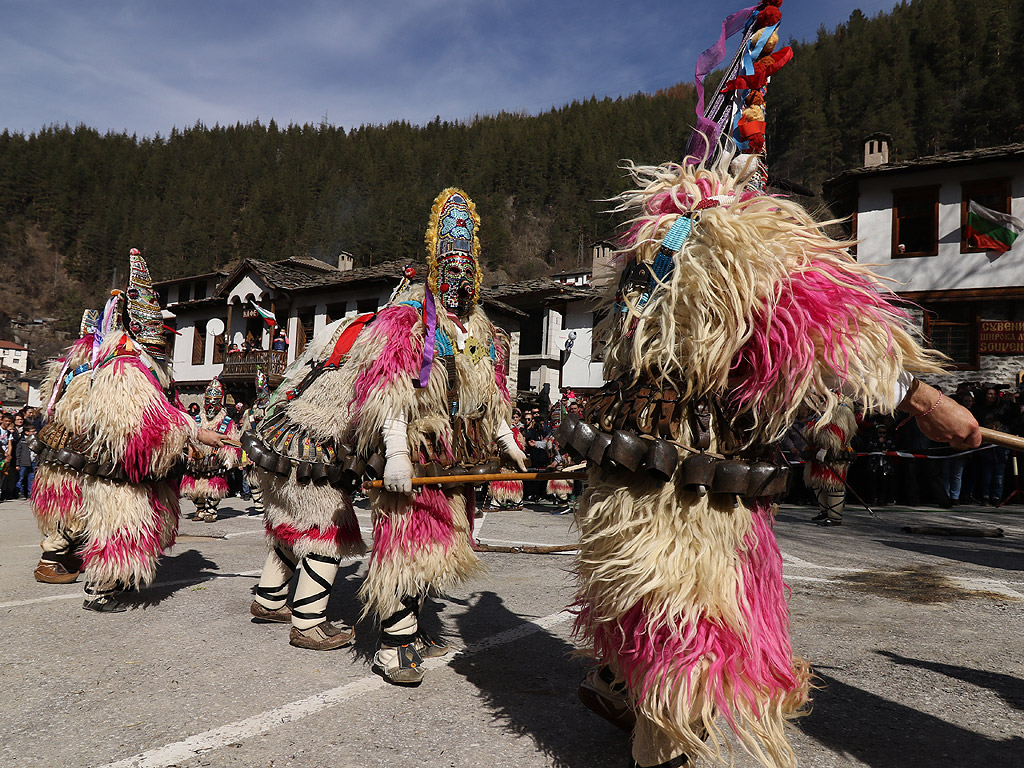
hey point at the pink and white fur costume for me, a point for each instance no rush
(309, 527)
(422, 543)
(826, 474)
(509, 493)
(121, 405)
(681, 594)
(206, 492)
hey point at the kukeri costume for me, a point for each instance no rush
(410, 390)
(829, 457)
(111, 446)
(507, 494)
(733, 309)
(204, 482)
(252, 420)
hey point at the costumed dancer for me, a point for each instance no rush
(429, 396)
(508, 494)
(829, 458)
(252, 420)
(112, 445)
(204, 482)
(58, 508)
(733, 309)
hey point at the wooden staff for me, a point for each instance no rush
(527, 549)
(1002, 438)
(478, 479)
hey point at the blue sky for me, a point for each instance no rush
(145, 67)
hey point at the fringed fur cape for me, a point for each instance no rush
(833, 436)
(213, 488)
(683, 594)
(122, 407)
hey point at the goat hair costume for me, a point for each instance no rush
(204, 481)
(110, 450)
(733, 309)
(829, 445)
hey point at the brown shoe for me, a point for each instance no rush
(602, 695)
(52, 572)
(282, 615)
(323, 637)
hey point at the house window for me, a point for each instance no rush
(366, 305)
(953, 330)
(991, 193)
(915, 222)
(199, 344)
(200, 289)
(336, 311)
(185, 292)
(219, 347)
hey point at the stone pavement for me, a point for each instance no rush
(916, 641)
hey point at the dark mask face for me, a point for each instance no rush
(456, 282)
(211, 407)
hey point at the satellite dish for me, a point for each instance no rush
(215, 326)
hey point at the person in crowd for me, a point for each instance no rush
(538, 449)
(8, 443)
(992, 468)
(26, 462)
(280, 343)
(951, 470)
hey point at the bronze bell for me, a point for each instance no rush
(697, 469)
(626, 450)
(77, 461)
(599, 447)
(352, 470)
(283, 466)
(91, 467)
(582, 438)
(107, 469)
(375, 467)
(761, 475)
(731, 476)
(334, 474)
(779, 482)
(564, 432)
(303, 472)
(661, 460)
(487, 468)
(267, 461)
(64, 456)
(247, 440)
(319, 473)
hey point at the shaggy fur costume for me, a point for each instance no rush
(210, 490)
(312, 518)
(508, 493)
(422, 543)
(122, 406)
(682, 594)
(834, 437)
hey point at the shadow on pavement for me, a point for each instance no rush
(190, 564)
(1006, 554)
(529, 685)
(885, 734)
(1009, 689)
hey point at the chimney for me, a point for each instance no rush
(345, 262)
(603, 269)
(876, 150)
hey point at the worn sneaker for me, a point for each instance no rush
(282, 615)
(402, 665)
(323, 637)
(52, 572)
(106, 604)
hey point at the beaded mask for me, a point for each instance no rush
(453, 248)
(213, 398)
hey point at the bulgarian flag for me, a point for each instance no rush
(268, 317)
(991, 230)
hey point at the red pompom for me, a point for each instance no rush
(409, 272)
(769, 16)
(776, 3)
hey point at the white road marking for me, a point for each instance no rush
(265, 722)
(798, 563)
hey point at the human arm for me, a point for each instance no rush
(398, 463)
(940, 417)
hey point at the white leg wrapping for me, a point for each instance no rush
(316, 577)
(272, 591)
(405, 627)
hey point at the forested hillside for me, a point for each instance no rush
(937, 75)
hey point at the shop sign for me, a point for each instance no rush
(1001, 337)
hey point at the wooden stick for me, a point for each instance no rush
(527, 549)
(1002, 438)
(478, 479)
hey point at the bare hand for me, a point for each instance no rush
(941, 418)
(210, 438)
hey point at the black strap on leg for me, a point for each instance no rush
(395, 641)
(324, 592)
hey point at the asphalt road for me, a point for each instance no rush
(916, 641)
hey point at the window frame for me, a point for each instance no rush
(931, 192)
(933, 321)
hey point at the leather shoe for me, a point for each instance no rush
(52, 572)
(105, 605)
(819, 517)
(282, 615)
(323, 637)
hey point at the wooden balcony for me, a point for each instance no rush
(241, 367)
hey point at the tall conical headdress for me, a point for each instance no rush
(453, 240)
(738, 109)
(90, 322)
(145, 320)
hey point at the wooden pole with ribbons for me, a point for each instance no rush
(478, 479)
